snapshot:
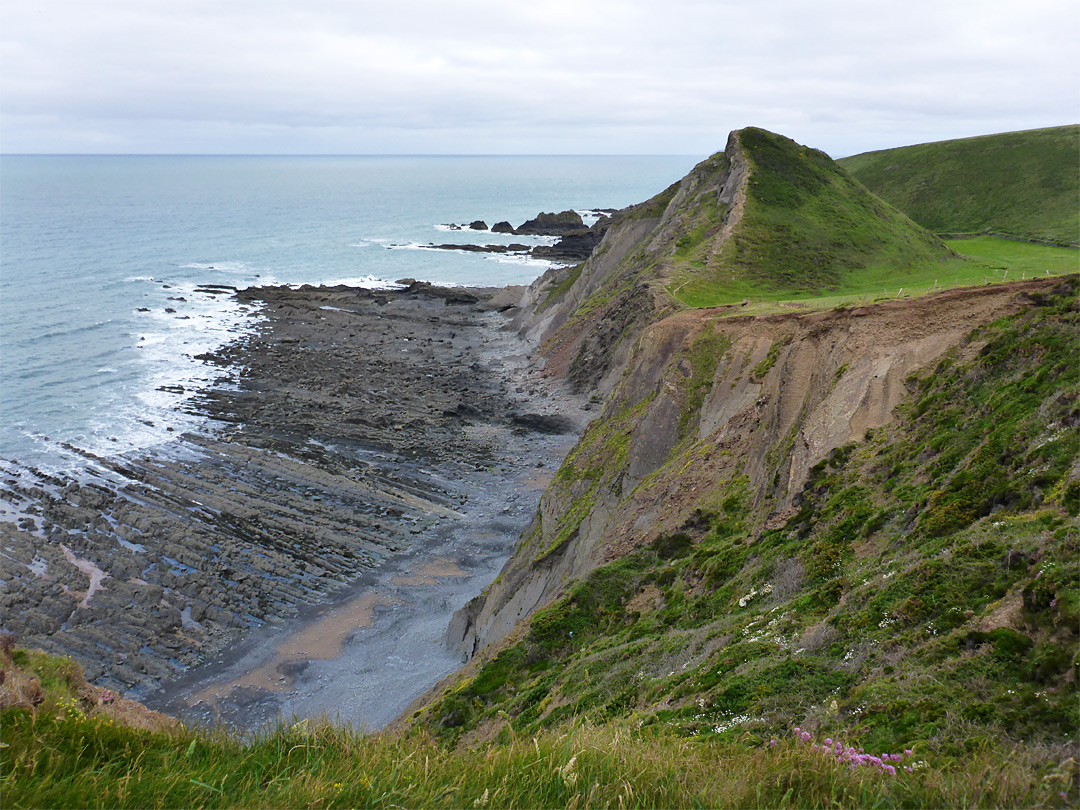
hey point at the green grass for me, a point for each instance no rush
(77, 762)
(923, 594)
(1024, 184)
(1021, 259)
(982, 260)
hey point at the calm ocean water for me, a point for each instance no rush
(101, 259)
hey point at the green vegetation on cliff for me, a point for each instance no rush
(923, 593)
(807, 228)
(76, 761)
(1021, 184)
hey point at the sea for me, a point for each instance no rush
(115, 270)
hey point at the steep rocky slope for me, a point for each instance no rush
(716, 552)
(712, 405)
(614, 325)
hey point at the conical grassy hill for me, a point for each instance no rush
(765, 220)
(807, 228)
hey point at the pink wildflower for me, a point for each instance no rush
(805, 736)
(772, 743)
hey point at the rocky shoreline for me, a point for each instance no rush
(371, 435)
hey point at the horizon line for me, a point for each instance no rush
(348, 154)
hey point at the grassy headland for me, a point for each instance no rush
(807, 230)
(1020, 184)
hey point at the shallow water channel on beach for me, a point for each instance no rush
(362, 657)
(365, 471)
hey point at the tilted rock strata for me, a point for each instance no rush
(355, 412)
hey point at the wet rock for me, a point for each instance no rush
(308, 486)
(544, 423)
(546, 224)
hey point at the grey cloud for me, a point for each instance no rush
(554, 75)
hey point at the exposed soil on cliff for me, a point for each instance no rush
(710, 403)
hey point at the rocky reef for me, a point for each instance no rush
(358, 425)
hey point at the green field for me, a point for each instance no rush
(981, 260)
(1018, 257)
(1023, 184)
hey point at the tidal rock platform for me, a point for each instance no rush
(367, 470)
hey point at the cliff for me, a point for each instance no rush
(719, 550)
(769, 217)
(712, 406)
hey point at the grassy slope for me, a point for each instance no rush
(924, 594)
(69, 759)
(984, 260)
(808, 229)
(1024, 184)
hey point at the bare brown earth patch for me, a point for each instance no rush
(649, 599)
(1004, 613)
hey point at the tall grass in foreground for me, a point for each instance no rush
(67, 760)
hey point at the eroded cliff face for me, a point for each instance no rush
(587, 319)
(704, 406)
(711, 407)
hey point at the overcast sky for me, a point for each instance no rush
(526, 76)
